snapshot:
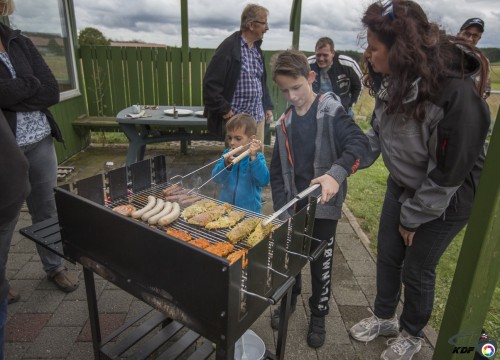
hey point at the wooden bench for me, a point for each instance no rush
(109, 124)
(97, 123)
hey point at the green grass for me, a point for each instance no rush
(495, 76)
(364, 199)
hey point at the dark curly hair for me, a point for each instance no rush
(417, 48)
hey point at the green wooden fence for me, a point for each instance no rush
(117, 77)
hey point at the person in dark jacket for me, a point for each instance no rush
(27, 89)
(235, 80)
(241, 183)
(430, 124)
(317, 142)
(336, 72)
(472, 30)
(14, 187)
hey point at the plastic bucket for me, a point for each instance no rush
(251, 345)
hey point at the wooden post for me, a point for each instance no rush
(478, 265)
(186, 81)
(295, 16)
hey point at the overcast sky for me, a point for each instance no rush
(211, 21)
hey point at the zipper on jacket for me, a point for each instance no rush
(236, 185)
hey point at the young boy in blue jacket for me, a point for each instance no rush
(241, 184)
(317, 142)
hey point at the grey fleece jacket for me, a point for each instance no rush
(339, 145)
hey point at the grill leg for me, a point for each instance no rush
(224, 354)
(93, 312)
(283, 326)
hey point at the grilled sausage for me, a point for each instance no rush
(126, 210)
(178, 197)
(167, 207)
(172, 216)
(191, 199)
(157, 208)
(171, 189)
(151, 203)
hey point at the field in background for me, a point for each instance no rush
(495, 76)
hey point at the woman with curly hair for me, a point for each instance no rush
(430, 125)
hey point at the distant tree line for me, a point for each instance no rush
(493, 54)
(92, 36)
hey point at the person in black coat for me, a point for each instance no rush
(229, 88)
(27, 89)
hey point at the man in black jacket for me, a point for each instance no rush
(337, 73)
(235, 80)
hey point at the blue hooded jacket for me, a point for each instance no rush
(241, 184)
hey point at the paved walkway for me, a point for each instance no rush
(49, 324)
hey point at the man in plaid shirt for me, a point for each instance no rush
(235, 80)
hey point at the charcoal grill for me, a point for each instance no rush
(188, 286)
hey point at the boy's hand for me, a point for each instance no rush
(329, 187)
(255, 147)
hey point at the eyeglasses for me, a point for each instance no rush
(474, 36)
(261, 22)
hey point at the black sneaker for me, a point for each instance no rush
(275, 316)
(317, 332)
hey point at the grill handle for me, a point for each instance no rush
(278, 294)
(281, 291)
(318, 251)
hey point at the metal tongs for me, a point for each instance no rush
(225, 156)
(233, 162)
(285, 207)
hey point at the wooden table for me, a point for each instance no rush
(158, 126)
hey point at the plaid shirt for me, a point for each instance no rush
(248, 95)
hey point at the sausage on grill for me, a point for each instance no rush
(151, 203)
(167, 208)
(155, 210)
(126, 210)
(172, 216)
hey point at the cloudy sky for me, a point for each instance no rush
(211, 21)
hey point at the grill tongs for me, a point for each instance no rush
(285, 207)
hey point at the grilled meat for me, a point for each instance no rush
(226, 221)
(171, 190)
(259, 234)
(197, 208)
(221, 248)
(126, 210)
(200, 242)
(211, 214)
(242, 229)
(233, 257)
(190, 199)
(179, 234)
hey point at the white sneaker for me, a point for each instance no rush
(372, 327)
(402, 348)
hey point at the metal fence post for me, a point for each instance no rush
(478, 266)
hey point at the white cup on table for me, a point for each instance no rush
(136, 109)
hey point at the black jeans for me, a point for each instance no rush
(321, 269)
(414, 266)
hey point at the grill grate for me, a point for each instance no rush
(140, 199)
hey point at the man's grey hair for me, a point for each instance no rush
(251, 13)
(7, 7)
